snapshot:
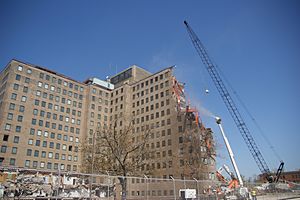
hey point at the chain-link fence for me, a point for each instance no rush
(17, 183)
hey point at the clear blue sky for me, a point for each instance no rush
(255, 43)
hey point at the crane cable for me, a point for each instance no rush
(250, 115)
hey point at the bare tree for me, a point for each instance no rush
(114, 149)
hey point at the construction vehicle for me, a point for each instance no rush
(235, 182)
(232, 108)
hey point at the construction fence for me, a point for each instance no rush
(19, 183)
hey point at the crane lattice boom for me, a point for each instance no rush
(234, 112)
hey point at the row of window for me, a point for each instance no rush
(48, 165)
(12, 106)
(8, 127)
(51, 145)
(26, 79)
(158, 165)
(15, 140)
(14, 97)
(57, 98)
(60, 127)
(59, 81)
(117, 92)
(67, 119)
(152, 89)
(146, 100)
(56, 107)
(93, 107)
(4, 148)
(52, 135)
(17, 86)
(117, 100)
(43, 154)
(100, 100)
(150, 81)
(59, 90)
(20, 68)
(100, 92)
(156, 116)
(164, 132)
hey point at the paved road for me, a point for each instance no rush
(281, 196)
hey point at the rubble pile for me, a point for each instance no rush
(16, 184)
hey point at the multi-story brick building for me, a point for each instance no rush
(45, 116)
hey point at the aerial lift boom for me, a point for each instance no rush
(230, 152)
(232, 108)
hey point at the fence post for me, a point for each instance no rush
(174, 186)
(108, 184)
(147, 186)
(58, 181)
(198, 194)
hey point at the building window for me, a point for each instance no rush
(30, 141)
(50, 155)
(10, 116)
(21, 108)
(47, 77)
(20, 118)
(18, 129)
(36, 153)
(44, 144)
(24, 98)
(29, 152)
(12, 161)
(14, 150)
(27, 80)
(7, 127)
(12, 106)
(3, 149)
(38, 93)
(20, 68)
(13, 96)
(29, 71)
(39, 132)
(18, 77)
(34, 164)
(16, 86)
(49, 165)
(35, 112)
(37, 143)
(16, 139)
(27, 163)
